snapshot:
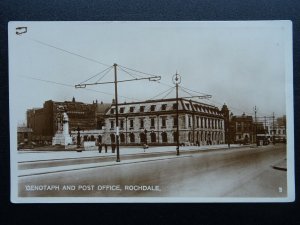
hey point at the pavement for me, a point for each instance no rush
(38, 155)
(280, 165)
(28, 157)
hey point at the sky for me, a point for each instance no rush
(242, 64)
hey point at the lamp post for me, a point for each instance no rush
(78, 138)
(176, 81)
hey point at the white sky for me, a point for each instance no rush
(242, 64)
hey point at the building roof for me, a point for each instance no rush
(165, 105)
(102, 108)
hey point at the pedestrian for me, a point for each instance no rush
(105, 146)
(100, 147)
(145, 146)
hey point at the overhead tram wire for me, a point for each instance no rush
(161, 93)
(104, 74)
(72, 86)
(108, 68)
(192, 90)
(66, 51)
(185, 91)
(128, 73)
(168, 93)
(148, 74)
(218, 103)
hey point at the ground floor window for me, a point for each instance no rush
(112, 138)
(175, 136)
(122, 138)
(164, 137)
(143, 137)
(153, 137)
(132, 137)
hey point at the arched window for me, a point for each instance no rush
(143, 137)
(153, 137)
(92, 138)
(112, 138)
(85, 138)
(190, 136)
(164, 137)
(122, 137)
(132, 137)
(175, 136)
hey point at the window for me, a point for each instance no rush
(122, 138)
(112, 124)
(131, 109)
(187, 106)
(112, 138)
(175, 121)
(143, 138)
(153, 137)
(163, 106)
(164, 137)
(141, 123)
(132, 138)
(112, 111)
(122, 110)
(131, 124)
(142, 108)
(175, 106)
(122, 124)
(190, 121)
(238, 127)
(152, 108)
(152, 123)
(163, 122)
(197, 119)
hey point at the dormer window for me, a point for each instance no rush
(142, 108)
(112, 111)
(163, 106)
(174, 106)
(152, 108)
(187, 106)
(122, 110)
(131, 109)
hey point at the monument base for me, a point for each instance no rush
(61, 139)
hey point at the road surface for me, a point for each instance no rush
(239, 172)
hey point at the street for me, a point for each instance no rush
(236, 172)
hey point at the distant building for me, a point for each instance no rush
(24, 135)
(241, 129)
(154, 122)
(44, 121)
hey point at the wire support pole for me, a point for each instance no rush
(117, 113)
(177, 118)
(177, 81)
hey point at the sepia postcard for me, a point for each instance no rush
(190, 111)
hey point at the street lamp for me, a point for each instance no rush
(78, 138)
(176, 81)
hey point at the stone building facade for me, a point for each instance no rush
(44, 121)
(242, 129)
(154, 122)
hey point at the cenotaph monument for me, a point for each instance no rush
(62, 136)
